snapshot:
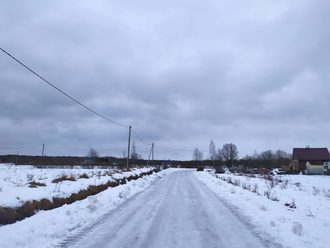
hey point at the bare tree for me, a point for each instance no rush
(197, 155)
(267, 158)
(282, 157)
(124, 154)
(212, 152)
(134, 154)
(219, 155)
(93, 153)
(229, 153)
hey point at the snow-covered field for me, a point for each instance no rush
(15, 190)
(294, 210)
(303, 222)
(48, 228)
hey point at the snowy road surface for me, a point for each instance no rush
(177, 211)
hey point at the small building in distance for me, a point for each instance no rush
(311, 159)
(89, 160)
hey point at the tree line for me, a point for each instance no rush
(228, 155)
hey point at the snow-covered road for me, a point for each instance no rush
(177, 211)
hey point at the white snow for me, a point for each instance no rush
(47, 228)
(15, 190)
(307, 225)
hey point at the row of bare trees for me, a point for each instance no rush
(92, 153)
(228, 155)
(267, 159)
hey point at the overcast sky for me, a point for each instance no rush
(181, 73)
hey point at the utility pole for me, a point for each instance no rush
(42, 155)
(129, 145)
(152, 163)
(17, 158)
(151, 152)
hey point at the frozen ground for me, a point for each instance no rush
(177, 210)
(48, 228)
(15, 190)
(307, 225)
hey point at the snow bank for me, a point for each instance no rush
(15, 190)
(307, 225)
(48, 228)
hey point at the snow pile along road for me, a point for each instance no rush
(15, 182)
(48, 228)
(177, 211)
(293, 209)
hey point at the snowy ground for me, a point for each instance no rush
(310, 195)
(15, 190)
(48, 228)
(176, 210)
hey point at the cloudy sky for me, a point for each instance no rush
(181, 73)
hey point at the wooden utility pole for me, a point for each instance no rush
(129, 145)
(152, 163)
(42, 155)
(151, 152)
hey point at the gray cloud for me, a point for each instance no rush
(180, 72)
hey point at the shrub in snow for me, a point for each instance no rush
(64, 178)
(7, 216)
(326, 193)
(11, 215)
(29, 177)
(297, 228)
(255, 188)
(84, 176)
(316, 191)
(292, 204)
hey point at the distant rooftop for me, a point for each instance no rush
(311, 153)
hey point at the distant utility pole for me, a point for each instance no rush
(129, 145)
(151, 152)
(42, 155)
(43, 149)
(152, 163)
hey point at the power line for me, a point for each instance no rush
(20, 147)
(121, 148)
(61, 90)
(139, 137)
(172, 148)
(85, 149)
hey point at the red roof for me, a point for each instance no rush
(311, 154)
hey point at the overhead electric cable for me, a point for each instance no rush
(178, 149)
(172, 148)
(85, 149)
(20, 147)
(119, 148)
(139, 137)
(61, 90)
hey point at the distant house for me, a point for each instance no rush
(102, 161)
(89, 160)
(314, 160)
(289, 167)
